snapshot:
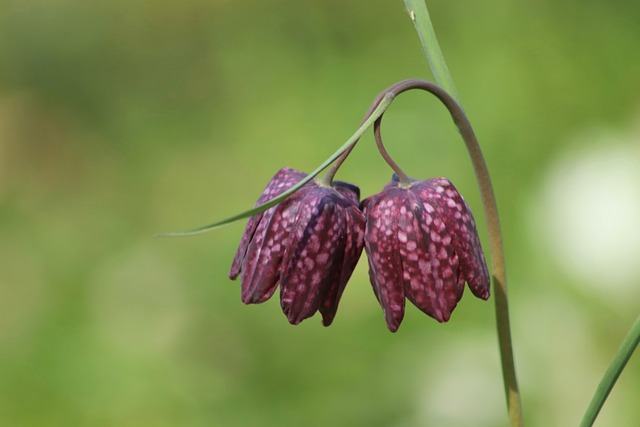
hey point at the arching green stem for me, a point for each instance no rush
(420, 17)
(368, 117)
(495, 236)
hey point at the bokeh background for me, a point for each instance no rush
(120, 119)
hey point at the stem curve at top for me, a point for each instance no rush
(496, 249)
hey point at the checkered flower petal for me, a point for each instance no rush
(284, 179)
(458, 218)
(385, 262)
(314, 256)
(422, 244)
(353, 249)
(309, 243)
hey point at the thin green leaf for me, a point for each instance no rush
(382, 106)
(610, 377)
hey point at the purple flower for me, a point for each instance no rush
(422, 244)
(309, 243)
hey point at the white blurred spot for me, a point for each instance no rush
(560, 372)
(589, 213)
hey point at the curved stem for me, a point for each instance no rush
(404, 179)
(420, 17)
(460, 119)
(610, 377)
(327, 179)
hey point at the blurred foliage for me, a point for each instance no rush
(119, 119)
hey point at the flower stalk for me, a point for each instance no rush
(403, 178)
(420, 17)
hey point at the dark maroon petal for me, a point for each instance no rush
(430, 266)
(458, 217)
(422, 243)
(355, 241)
(284, 179)
(473, 263)
(349, 191)
(314, 254)
(385, 263)
(353, 248)
(261, 266)
(249, 232)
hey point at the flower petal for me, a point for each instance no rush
(349, 191)
(385, 264)
(284, 179)
(314, 254)
(430, 267)
(261, 266)
(459, 219)
(353, 248)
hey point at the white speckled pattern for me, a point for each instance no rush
(310, 244)
(422, 244)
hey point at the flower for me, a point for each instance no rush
(309, 243)
(422, 243)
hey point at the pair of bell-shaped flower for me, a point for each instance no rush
(421, 242)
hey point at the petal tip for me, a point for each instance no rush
(443, 316)
(393, 328)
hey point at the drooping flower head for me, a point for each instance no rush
(422, 244)
(309, 243)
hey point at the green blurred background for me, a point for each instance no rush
(120, 119)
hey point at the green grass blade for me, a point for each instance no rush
(610, 377)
